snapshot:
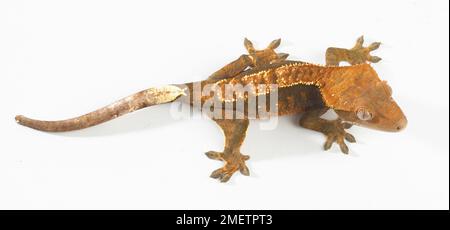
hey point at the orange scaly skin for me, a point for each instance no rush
(354, 92)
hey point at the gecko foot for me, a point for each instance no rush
(265, 56)
(233, 162)
(356, 55)
(361, 54)
(335, 132)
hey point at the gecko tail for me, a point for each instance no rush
(142, 99)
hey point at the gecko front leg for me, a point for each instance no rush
(356, 55)
(234, 131)
(334, 130)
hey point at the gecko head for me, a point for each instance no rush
(371, 103)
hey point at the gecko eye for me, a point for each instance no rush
(364, 114)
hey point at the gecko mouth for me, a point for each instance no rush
(397, 126)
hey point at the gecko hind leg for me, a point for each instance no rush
(232, 69)
(334, 130)
(234, 131)
(254, 58)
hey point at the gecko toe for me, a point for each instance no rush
(217, 174)
(329, 142)
(346, 125)
(350, 138)
(214, 155)
(245, 157)
(223, 174)
(343, 147)
(244, 170)
(225, 177)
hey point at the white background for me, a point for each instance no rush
(59, 59)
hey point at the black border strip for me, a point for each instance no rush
(146, 219)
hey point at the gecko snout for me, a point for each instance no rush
(401, 124)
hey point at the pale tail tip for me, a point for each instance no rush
(18, 118)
